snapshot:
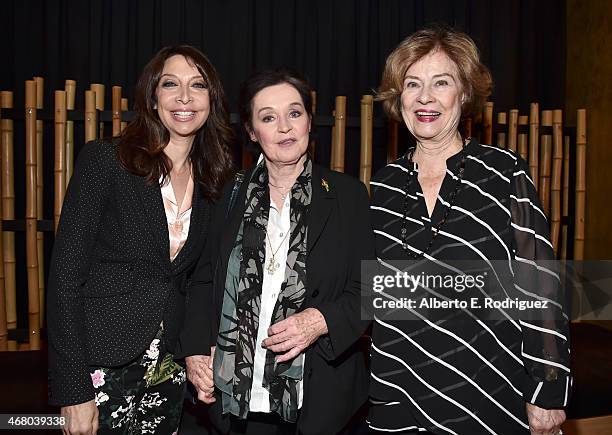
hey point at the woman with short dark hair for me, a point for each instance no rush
(454, 208)
(287, 280)
(134, 221)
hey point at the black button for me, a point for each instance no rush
(168, 280)
(315, 293)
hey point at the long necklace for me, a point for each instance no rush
(178, 223)
(273, 265)
(435, 229)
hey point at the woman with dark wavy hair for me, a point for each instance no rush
(135, 219)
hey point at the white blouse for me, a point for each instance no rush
(279, 224)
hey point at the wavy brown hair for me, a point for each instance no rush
(475, 78)
(142, 143)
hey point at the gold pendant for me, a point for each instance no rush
(272, 266)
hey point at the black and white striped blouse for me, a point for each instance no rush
(469, 370)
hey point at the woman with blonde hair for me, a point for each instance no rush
(452, 207)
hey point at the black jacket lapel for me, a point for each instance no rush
(321, 204)
(198, 227)
(155, 216)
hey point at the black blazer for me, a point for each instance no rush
(111, 281)
(339, 236)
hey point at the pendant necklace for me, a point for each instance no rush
(273, 265)
(178, 223)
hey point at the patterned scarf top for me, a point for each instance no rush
(235, 353)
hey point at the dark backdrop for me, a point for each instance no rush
(340, 45)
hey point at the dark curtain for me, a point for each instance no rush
(340, 45)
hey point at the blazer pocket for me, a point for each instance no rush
(109, 279)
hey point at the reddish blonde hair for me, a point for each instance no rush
(475, 78)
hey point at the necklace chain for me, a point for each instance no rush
(278, 189)
(435, 230)
(273, 265)
(178, 223)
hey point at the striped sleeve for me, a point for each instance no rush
(545, 329)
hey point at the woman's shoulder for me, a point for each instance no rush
(501, 159)
(389, 180)
(341, 182)
(101, 151)
(391, 169)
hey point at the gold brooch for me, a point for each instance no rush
(325, 184)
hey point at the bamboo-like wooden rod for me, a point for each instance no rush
(565, 199)
(3, 328)
(60, 157)
(99, 91)
(555, 186)
(313, 143)
(392, 132)
(523, 138)
(40, 92)
(39, 168)
(247, 159)
(91, 116)
(339, 134)
(333, 142)
(116, 109)
(512, 130)
(69, 149)
(487, 123)
(467, 127)
(545, 163)
(365, 157)
(70, 88)
(124, 108)
(39, 146)
(31, 217)
(502, 121)
(579, 215)
(478, 132)
(3, 325)
(534, 128)
(40, 251)
(39, 195)
(8, 213)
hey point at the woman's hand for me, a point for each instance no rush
(544, 421)
(200, 374)
(294, 334)
(81, 419)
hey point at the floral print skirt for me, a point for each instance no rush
(142, 397)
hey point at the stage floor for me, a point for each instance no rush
(23, 377)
